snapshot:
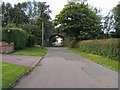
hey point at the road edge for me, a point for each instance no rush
(13, 84)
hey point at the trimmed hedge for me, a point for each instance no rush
(107, 47)
(16, 35)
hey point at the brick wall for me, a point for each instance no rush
(6, 47)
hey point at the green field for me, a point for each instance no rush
(10, 72)
(112, 64)
(32, 51)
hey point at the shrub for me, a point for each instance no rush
(107, 47)
(74, 44)
(34, 30)
(31, 40)
(16, 35)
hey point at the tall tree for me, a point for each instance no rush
(79, 21)
(77, 1)
(44, 11)
(108, 24)
(116, 14)
(6, 12)
(27, 15)
(19, 16)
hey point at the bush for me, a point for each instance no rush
(16, 35)
(31, 40)
(74, 44)
(34, 30)
(107, 47)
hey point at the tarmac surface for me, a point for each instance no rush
(27, 61)
(63, 69)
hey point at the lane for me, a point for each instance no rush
(63, 69)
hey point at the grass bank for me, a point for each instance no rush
(10, 72)
(112, 64)
(32, 51)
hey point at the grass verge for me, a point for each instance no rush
(112, 64)
(0, 74)
(10, 72)
(32, 51)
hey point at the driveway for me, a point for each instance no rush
(63, 69)
(27, 61)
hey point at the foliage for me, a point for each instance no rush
(74, 44)
(112, 64)
(28, 16)
(16, 35)
(79, 21)
(111, 22)
(81, 1)
(10, 72)
(53, 40)
(107, 47)
(23, 13)
(32, 51)
(35, 30)
(31, 40)
(28, 28)
(116, 14)
(47, 30)
(108, 24)
(13, 15)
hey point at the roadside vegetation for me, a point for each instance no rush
(91, 35)
(10, 72)
(22, 23)
(112, 64)
(105, 51)
(32, 51)
(104, 47)
(89, 32)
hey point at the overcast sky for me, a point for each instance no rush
(57, 5)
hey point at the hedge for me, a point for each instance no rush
(16, 35)
(106, 47)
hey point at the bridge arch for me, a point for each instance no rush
(55, 38)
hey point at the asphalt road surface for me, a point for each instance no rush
(63, 69)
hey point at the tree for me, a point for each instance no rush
(81, 1)
(6, 12)
(12, 15)
(108, 24)
(28, 16)
(79, 21)
(19, 16)
(116, 14)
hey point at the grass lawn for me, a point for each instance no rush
(32, 51)
(10, 72)
(112, 64)
(0, 75)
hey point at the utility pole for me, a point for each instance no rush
(42, 34)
